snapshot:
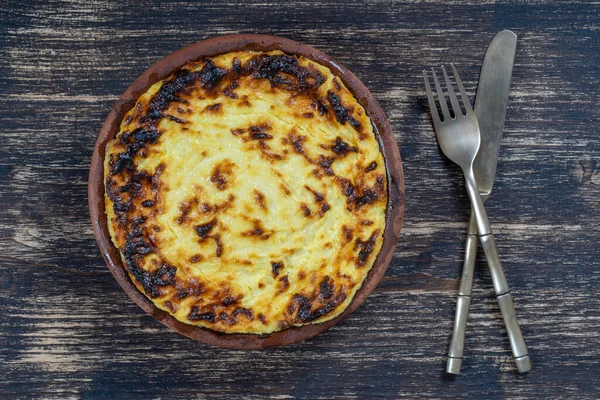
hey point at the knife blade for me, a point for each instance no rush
(490, 108)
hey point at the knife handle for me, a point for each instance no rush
(507, 307)
(463, 301)
(486, 237)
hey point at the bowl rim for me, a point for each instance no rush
(212, 47)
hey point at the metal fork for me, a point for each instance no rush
(459, 139)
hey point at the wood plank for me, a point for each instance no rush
(68, 330)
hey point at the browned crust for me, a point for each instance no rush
(213, 47)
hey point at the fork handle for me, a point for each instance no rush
(503, 295)
(463, 301)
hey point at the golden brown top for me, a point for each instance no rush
(247, 192)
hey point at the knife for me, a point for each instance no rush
(490, 109)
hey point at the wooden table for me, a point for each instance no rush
(68, 330)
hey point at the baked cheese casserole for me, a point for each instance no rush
(247, 193)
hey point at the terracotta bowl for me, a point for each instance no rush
(212, 47)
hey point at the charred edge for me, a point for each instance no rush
(176, 119)
(303, 305)
(170, 306)
(283, 324)
(151, 282)
(225, 319)
(236, 66)
(229, 90)
(342, 148)
(342, 114)
(135, 186)
(182, 293)
(168, 92)
(204, 230)
(197, 314)
(379, 184)
(165, 275)
(243, 311)
(209, 76)
(370, 195)
(326, 288)
(262, 319)
(136, 247)
(366, 248)
(320, 106)
(136, 229)
(229, 301)
(280, 70)
(275, 267)
(284, 71)
(134, 142)
(371, 166)
(155, 179)
(118, 196)
(191, 290)
(147, 203)
(260, 199)
(308, 115)
(214, 108)
(336, 84)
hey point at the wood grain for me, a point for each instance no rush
(68, 331)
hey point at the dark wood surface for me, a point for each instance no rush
(67, 330)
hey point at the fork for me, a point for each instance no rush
(459, 139)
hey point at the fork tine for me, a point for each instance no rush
(452, 94)
(441, 96)
(461, 88)
(434, 113)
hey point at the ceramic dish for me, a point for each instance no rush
(213, 47)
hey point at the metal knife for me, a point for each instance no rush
(490, 109)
